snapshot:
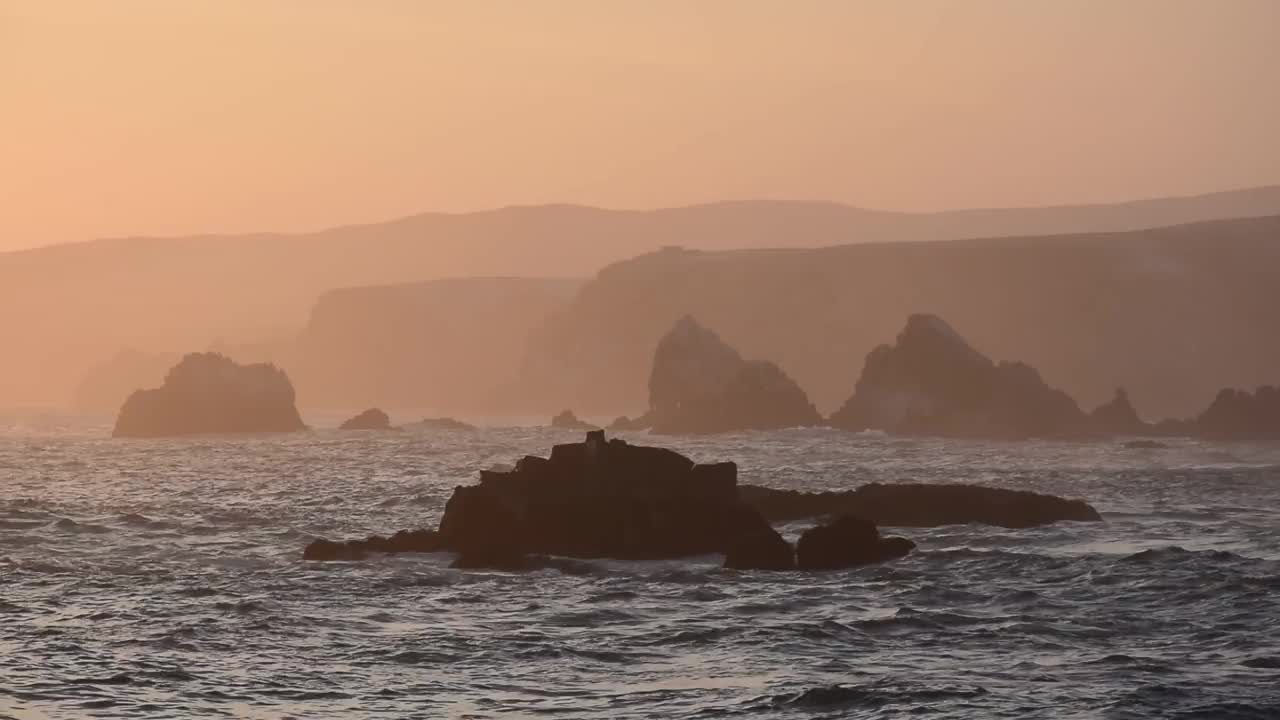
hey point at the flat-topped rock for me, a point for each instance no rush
(209, 393)
(699, 384)
(932, 382)
(921, 505)
(604, 498)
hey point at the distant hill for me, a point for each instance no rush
(67, 308)
(1173, 314)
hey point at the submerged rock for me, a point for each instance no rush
(849, 541)
(566, 420)
(210, 393)
(1117, 417)
(372, 419)
(1145, 445)
(419, 541)
(699, 384)
(920, 505)
(932, 382)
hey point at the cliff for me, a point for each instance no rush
(161, 294)
(1171, 314)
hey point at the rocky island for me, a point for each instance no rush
(932, 382)
(207, 393)
(609, 499)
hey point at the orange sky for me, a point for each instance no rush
(162, 117)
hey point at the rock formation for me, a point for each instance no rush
(595, 499)
(847, 542)
(1118, 417)
(371, 419)
(609, 499)
(931, 382)
(699, 384)
(1241, 415)
(920, 505)
(209, 393)
(566, 420)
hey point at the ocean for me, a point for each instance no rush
(164, 579)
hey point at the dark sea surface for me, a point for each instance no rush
(165, 579)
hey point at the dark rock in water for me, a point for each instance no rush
(625, 423)
(443, 423)
(699, 384)
(600, 499)
(931, 382)
(417, 541)
(210, 393)
(1118, 417)
(372, 419)
(847, 542)
(919, 505)
(1241, 415)
(1145, 445)
(763, 549)
(485, 530)
(566, 420)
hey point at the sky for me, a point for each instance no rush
(157, 117)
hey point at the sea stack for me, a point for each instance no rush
(932, 382)
(699, 384)
(208, 393)
(1118, 417)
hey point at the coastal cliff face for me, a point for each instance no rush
(169, 294)
(1152, 311)
(445, 344)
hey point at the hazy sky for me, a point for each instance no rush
(165, 116)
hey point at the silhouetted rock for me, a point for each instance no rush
(600, 499)
(701, 385)
(420, 541)
(443, 423)
(566, 420)
(1145, 445)
(764, 549)
(372, 419)
(1241, 415)
(847, 542)
(931, 382)
(920, 505)
(483, 529)
(1118, 417)
(209, 393)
